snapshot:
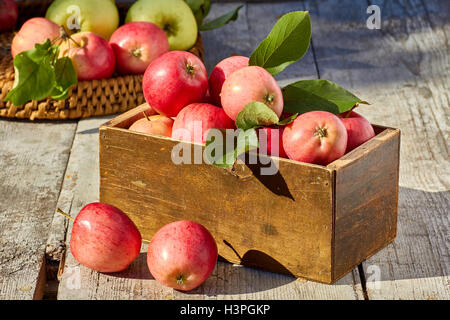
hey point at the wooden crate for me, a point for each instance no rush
(307, 220)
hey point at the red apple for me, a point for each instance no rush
(8, 14)
(104, 238)
(182, 255)
(250, 84)
(221, 72)
(91, 55)
(194, 121)
(173, 81)
(359, 130)
(315, 137)
(273, 139)
(136, 44)
(34, 30)
(157, 124)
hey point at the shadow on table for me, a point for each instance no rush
(419, 251)
(137, 270)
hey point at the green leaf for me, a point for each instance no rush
(38, 74)
(255, 114)
(200, 9)
(66, 77)
(287, 120)
(308, 95)
(228, 148)
(286, 43)
(34, 77)
(221, 21)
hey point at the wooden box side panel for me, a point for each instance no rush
(366, 200)
(280, 223)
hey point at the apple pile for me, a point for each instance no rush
(176, 86)
(180, 255)
(88, 33)
(309, 121)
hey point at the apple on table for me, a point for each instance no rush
(104, 238)
(182, 255)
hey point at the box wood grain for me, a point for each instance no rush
(307, 220)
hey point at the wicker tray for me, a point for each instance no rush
(87, 98)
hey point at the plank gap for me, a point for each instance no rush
(362, 278)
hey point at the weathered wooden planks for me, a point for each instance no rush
(33, 158)
(403, 70)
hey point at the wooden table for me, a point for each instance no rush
(402, 69)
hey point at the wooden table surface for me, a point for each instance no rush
(402, 69)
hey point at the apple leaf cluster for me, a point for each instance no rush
(310, 95)
(288, 42)
(40, 73)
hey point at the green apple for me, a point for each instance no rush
(98, 16)
(200, 8)
(173, 16)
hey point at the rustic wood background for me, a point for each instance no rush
(402, 69)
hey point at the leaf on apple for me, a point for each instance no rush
(66, 77)
(39, 73)
(287, 120)
(256, 114)
(226, 151)
(286, 43)
(309, 95)
(221, 21)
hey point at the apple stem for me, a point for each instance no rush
(190, 69)
(64, 214)
(180, 279)
(321, 132)
(146, 116)
(66, 36)
(349, 112)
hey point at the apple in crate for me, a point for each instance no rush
(173, 16)
(273, 138)
(182, 255)
(91, 55)
(157, 124)
(98, 16)
(316, 137)
(33, 31)
(104, 238)
(194, 121)
(173, 81)
(359, 130)
(221, 72)
(136, 44)
(8, 14)
(249, 84)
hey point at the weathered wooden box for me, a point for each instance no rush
(307, 220)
